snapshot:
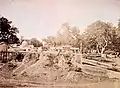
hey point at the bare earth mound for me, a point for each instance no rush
(45, 69)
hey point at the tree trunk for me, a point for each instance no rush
(98, 49)
(102, 52)
(103, 49)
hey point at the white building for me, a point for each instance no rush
(24, 44)
(27, 47)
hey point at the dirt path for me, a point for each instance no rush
(31, 84)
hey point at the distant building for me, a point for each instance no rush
(3, 46)
(24, 44)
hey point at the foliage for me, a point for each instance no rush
(35, 42)
(63, 35)
(68, 35)
(50, 40)
(99, 35)
(8, 33)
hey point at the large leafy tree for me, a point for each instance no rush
(99, 35)
(8, 33)
(68, 35)
(116, 37)
(64, 34)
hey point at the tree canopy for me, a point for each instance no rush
(99, 35)
(68, 35)
(35, 42)
(8, 33)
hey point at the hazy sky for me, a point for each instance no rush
(40, 18)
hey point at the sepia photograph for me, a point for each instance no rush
(59, 43)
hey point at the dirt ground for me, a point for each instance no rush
(43, 72)
(26, 84)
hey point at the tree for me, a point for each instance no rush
(116, 38)
(76, 38)
(64, 34)
(51, 40)
(68, 35)
(99, 35)
(35, 42)
(8, 33)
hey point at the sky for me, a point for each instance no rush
(41, 18)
